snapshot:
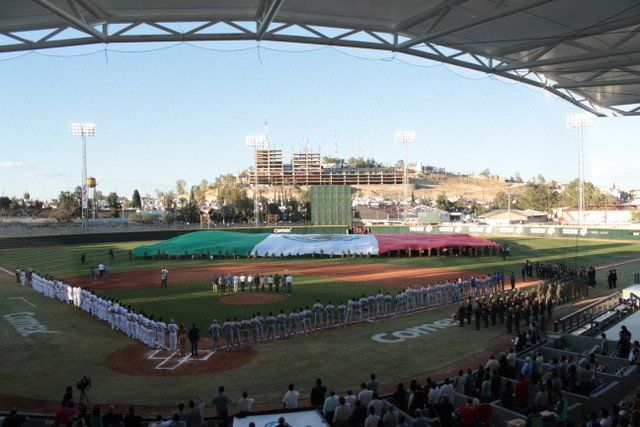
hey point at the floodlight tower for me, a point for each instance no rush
(84, 130)
(257, 142)
(405, 138)
(580, 121)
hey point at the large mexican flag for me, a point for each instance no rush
(216, 242)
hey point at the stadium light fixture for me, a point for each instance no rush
(258, 141)
(84, 130)
(405, 138)
(580, 121)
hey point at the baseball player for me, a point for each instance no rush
(329, 309)
(245, 328)
(294, 327)
(307, 320)
(281, 320)
(236, 332)
(161, 329)
(379, 304)
(172, 327)
(214, 331)
(317, 311)
(227, 327)
(255, 329)
(342, 313)
(271, 327)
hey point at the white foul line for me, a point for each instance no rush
(32, 305)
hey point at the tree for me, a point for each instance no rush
(442, 202)
(68, 207)
(114, 204)
(517, 178)
(592, 195)
(501, 201)
(26, 196)
(486, 172)
(635, 217)
(180, 186)
(136, 202)
(5, 206)
(189, 213)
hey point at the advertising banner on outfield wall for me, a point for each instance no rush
(517, 230)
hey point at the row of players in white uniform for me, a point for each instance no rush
(258, 329)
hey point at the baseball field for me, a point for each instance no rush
(71, 344)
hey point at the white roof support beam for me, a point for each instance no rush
(598, 83)
(440, 9)
(263, 24)
(92, 8)
(71, 19)
(572, 58)
(553, 41)
(476, 23)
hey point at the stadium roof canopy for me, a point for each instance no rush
(584, 51)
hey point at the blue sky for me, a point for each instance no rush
(168, 112)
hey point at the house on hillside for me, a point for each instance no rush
(514, 216)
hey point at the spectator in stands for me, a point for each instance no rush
(290, 399)
(419, 420)
(522, 392)
(372, 420)
(180, 411)
(159, 422)
(492, 364)
(282, 423)
(111, 419)
(467, 414)
(484, 414)
(373, 383)
(417, 400)
(560, 410)
(444, 411)
(244, 404)
(485, 388)
(593, 420)
(341, 414)
(13, 419)
(376, 404)
(506, 397)
(496, 386)
(68, 397)
(359, 414)
(511, 359)
(604, 420)
(390, 419)
(402, 421)
(527, 368)
(132, 419)
(195, 414)
(351, 398)
(221, 402)
(604, 345)
(614, 415)
(66, 415)
(542, 398)
(330, 405)
(176, 421)
(624, 343)
(318, 394)
(96, 419)
(400, 397)
(365, 395)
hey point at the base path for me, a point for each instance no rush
(374, 273)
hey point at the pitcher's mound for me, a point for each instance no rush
(251, 299)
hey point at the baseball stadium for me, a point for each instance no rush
(335, 289)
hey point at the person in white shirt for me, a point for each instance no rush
(342, 414)
(372, 420)
(350, 399)
(290, 399)
(244, 405)
(376, 404)
(172, 328)
(330, 405)
(447, 390)
(365, 396)
(492, 364)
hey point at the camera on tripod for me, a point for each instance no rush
(84, 384)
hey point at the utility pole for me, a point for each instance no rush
(580, 122)
(405, 138)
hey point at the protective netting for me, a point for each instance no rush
(170, 112)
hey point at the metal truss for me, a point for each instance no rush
(103, 29)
